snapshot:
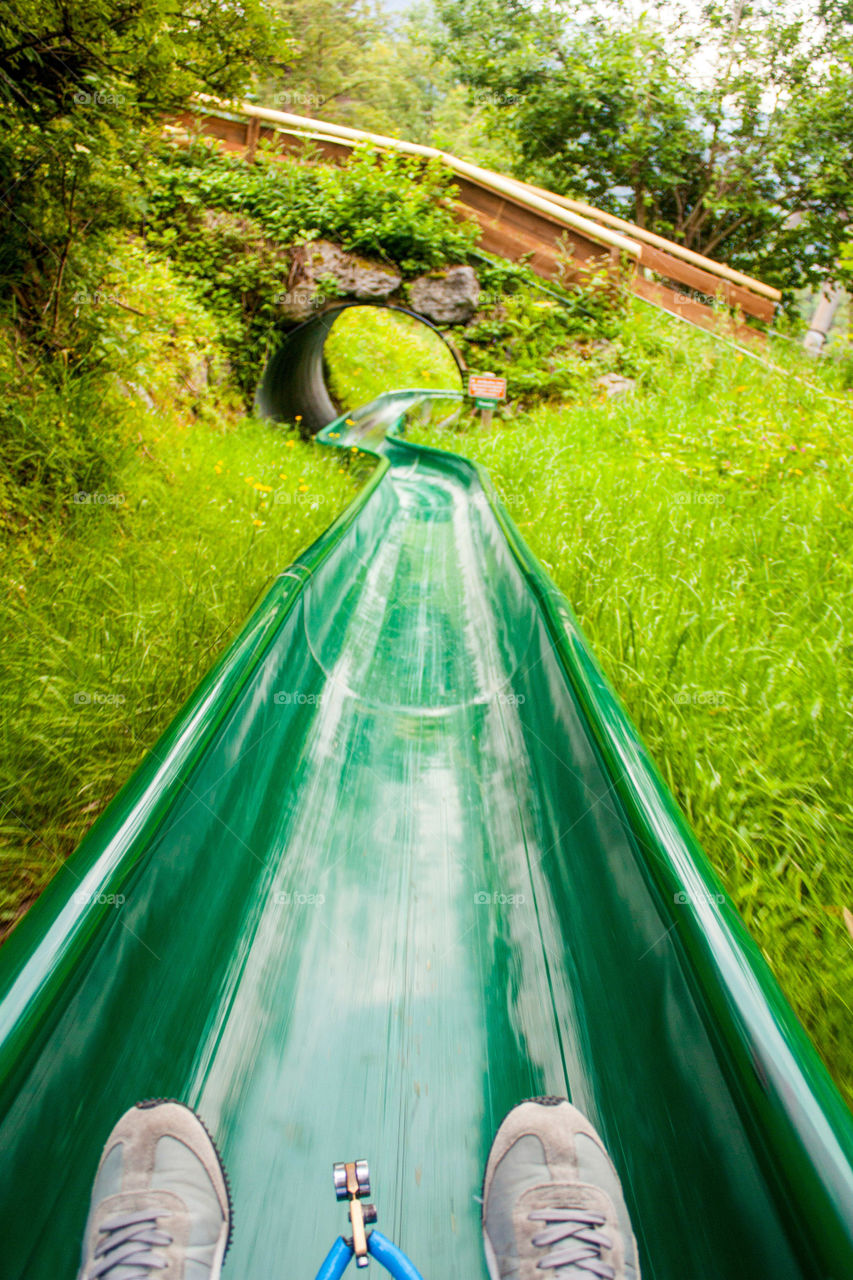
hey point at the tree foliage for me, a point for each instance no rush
(722, 124)
(83, 88)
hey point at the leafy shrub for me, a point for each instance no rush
(144, 346)
(538, 339)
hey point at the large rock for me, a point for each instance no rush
(321, 272)
(447, 297)
(614, 384)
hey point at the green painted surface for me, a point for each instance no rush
(400, 863)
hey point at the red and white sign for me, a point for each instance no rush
(486, 386)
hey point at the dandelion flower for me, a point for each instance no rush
(258, 524)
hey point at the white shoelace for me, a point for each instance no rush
(129, 1240)
(579, 1243)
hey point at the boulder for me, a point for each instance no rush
(321, 272)
(615, 384)
(446, 297)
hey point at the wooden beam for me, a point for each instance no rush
(679, 304)
(664, 264)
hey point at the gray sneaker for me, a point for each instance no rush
(552, 1200)
(160, 1203)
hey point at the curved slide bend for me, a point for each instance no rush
(401, 862)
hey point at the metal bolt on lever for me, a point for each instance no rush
(352, 1183)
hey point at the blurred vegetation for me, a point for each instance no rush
(722, 125)
(699, 526)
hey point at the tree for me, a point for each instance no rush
(325, 72)
(693, 120)
(83, 89)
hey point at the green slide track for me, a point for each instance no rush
(401, 862)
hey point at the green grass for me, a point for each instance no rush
(701, 528)
(370, 351)
(110, 623)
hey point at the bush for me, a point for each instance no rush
(538, 338)
(144, 346)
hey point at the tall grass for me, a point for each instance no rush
(111, 623)
(701, 528)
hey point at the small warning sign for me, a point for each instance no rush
(485, 386)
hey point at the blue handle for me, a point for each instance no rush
(336, 1261)
(392, 1259)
